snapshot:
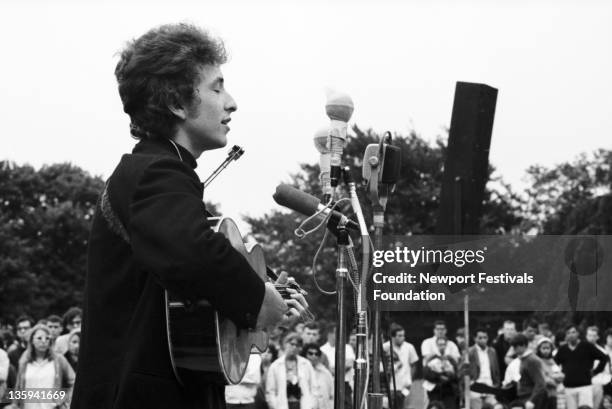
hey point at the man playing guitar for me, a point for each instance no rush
(150, 233)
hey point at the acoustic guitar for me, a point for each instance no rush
(202, 340)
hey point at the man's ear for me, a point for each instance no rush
(179, 111)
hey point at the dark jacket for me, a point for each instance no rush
(475, 364)
(501, 346)
(532, 385)
(124, 359)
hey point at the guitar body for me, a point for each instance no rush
(203, 341)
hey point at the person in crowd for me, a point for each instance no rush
(553, 374)
(545, 331)
(607, 402)
(603, 378)
(40, 367)
(290, 378)
(5, 366)
(323, 383)
(484, 368)
(299, 327)
(54, 323)
(406, 368)
(576, 359)
(72, 322)
(608, 368)
(24, 325)
(72, 355)
(531, 388)
(502, 343)
(7, 338)
(530, 331)
(460, 340)
(243, 394)
(311, 333)
(440, 373)
(329, 351)
(429, 346)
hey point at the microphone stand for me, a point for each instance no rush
(341, 277)
(361, 353)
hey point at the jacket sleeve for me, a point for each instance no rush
(536, 372)
(172, 239)
(601, 358)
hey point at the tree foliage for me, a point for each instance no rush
(44, 227)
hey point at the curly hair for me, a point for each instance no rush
(161, 69)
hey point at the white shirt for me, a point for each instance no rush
(40, 375)
(323, 388)
(513, 371)
(4, 365)
(349, 359)
(245, 391)
(429, 347)
(407, 356)
(485, 366)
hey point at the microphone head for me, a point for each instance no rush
(296, 200)
(339, 106)
(320, 140)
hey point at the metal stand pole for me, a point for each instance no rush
(376, 398)
(341, 277)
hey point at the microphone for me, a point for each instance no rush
(339, 108)
(306, 204)
(320, 142)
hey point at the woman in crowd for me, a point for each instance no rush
(40, 367)
(554, 375)
(290, 378)
(72, 355)
(440, 373)
(323, 382)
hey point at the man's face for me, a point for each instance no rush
(399, 338)
(609, 341)
(206, 120)
(310, 335)
(353, 341)
(55, 328)
(481, 339)
(572, 335)
(440, 331)
(530, 333)
(22, 329)
(592, 336)
(520, 349)
(509, 330)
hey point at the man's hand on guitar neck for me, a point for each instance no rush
(274, 309)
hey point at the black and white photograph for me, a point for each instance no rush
(306, 204)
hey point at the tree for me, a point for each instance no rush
(44, 226)
(572, 197)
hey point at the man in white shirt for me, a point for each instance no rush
(242, 395)
(405, 371)
(484, 369)
(329, 350)
(429, 348)
(602, 378)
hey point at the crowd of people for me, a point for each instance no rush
(530, 369)
(40, 355)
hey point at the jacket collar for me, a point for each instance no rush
(165, 147)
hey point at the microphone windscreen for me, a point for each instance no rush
(339, 106)
(296, 200)
(320, 140)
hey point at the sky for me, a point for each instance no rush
(398, 60)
